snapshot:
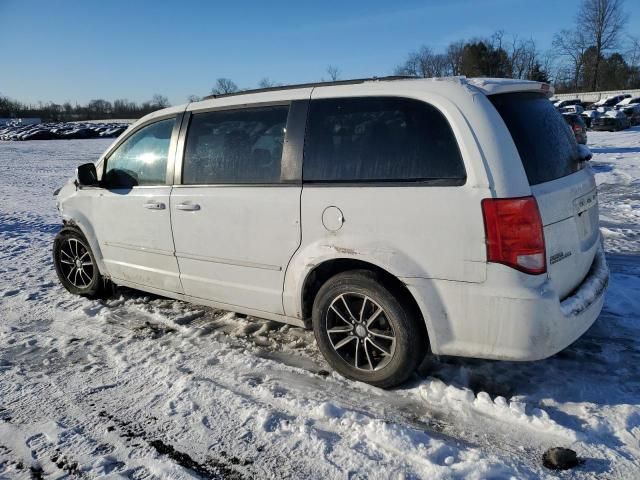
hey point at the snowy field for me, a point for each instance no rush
(144, 387)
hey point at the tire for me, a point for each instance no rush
(383, 353)
(76, 265)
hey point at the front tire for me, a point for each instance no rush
(364, 332)
(75, 264)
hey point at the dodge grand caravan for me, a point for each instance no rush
(396, 217)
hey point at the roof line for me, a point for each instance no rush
(307, 85)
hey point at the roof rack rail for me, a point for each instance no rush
(307, 85)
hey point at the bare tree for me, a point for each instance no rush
(633, 52)
(266, 82)
(159, 101)
(603, 22)
(224, 85)
(572, 44)
(633, 58)
(522, 57)
(550, 65)
(425, 63)
(454, 57)
(193, 98)
(333, 72)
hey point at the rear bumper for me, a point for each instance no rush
(496, 320)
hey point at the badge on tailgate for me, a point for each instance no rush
(587, 215)
(585, 202)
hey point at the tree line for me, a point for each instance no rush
(596, 54)
(97, 109)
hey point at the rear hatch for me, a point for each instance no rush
(564, 189)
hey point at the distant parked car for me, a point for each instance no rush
(588, 116)
(578, 127)
(632, 112)
(576, 109)
(566, 103)
(612, 100)
(57, 131)
(627, 101)
(612, 120)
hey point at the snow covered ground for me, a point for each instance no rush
(144, 387)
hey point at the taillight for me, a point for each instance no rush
(514, 233)
(577, 128)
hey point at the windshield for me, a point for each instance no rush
(546, 144)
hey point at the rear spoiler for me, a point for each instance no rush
(494, 86)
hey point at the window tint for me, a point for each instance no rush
(238, 146)
(380, 139)
(546, 145)
(142, 158)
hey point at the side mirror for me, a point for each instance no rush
(86, 175)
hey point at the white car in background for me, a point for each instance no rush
(627, 101)
(396, 217)
(566, 103)
(574, 109)
(611, 101)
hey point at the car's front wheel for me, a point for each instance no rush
(75, 263)
(364, 332)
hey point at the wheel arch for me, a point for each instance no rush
(87, 231)
(319, 274)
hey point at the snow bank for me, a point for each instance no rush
(514, 412)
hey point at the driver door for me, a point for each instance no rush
(133, 222)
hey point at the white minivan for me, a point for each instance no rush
(396, 217)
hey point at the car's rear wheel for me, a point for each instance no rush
(75, 264)
(364, 332)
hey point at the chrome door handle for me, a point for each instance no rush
(155, 205)
(190, 207)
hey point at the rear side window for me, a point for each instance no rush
(546, 144)
(380, 139)
(235, 146)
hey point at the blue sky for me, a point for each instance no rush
(78, 50)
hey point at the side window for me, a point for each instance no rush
(380, 139)
(235, 146)
(142, 158)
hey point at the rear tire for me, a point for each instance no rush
(76, 265)
(364, 332)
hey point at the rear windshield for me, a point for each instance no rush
(546, 144)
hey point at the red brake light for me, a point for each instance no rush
(514, 233)
(577, 127)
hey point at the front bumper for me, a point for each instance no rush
(497, 320)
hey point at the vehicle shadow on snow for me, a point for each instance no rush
(287, 344)
(602, 167)
(614, 149)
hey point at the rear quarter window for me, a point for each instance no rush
(380, 139)
(545, 142)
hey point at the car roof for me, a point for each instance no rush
(444, 85)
